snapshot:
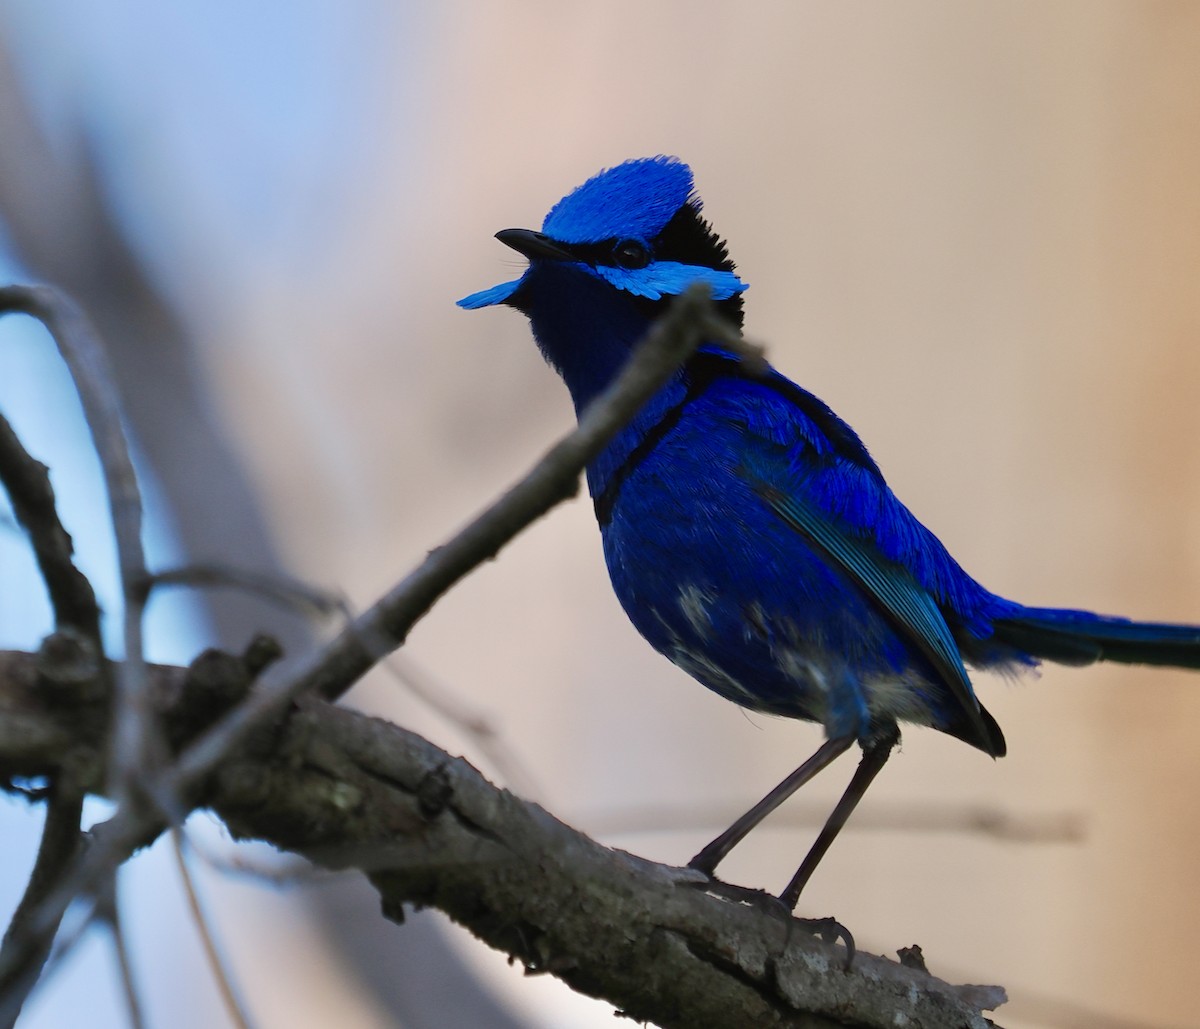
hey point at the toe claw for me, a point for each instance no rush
(830, 930)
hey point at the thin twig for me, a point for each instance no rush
(133, 737)
(216, 965)
(108, 912)
(279, 589)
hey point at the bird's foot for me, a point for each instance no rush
(761, 899)
(828, 930)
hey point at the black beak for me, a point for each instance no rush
(535, 245)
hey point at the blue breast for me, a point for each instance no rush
(723, 587)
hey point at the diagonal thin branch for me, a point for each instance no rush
(108, 912)
(212, 953)
(335, 666)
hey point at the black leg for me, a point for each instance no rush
(712, 855)
(875, 754)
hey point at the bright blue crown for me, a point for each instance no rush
(635, 199)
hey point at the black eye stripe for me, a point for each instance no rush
(686, 239)
(623, 252)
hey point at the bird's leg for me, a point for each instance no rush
(875, 754)
(712, 855)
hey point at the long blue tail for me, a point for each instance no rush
(1080, 637)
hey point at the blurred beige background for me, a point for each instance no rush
(974, 230)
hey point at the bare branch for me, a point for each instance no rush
(349, 791)
(212, 954)
(67, 681)
(57, 214)
(108, 912)
(279, 589)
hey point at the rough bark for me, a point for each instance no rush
(349, 791)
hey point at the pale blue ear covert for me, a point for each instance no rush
(668, 279)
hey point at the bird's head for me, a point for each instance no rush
(636, 228)
(608, 258)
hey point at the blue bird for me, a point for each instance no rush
(749, 535)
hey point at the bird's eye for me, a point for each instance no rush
(629, 253)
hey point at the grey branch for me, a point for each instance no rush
(349, 791)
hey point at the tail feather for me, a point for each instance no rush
(1080, 637)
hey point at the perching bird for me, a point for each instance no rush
(749, 535)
